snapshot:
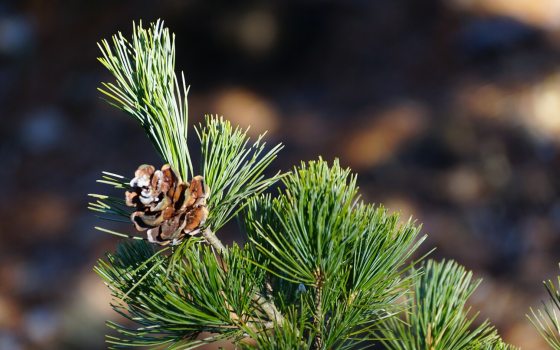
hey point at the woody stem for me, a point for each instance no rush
(318, 317)
(266, 305)
(214, 241)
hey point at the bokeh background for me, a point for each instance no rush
(449, 110)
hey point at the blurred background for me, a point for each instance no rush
(449, 111)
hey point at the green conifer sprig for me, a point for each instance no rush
(436, 317)
(319, 237)
(287, 334)
(108, 207)
(148, 89)
(174, 304)
(232, 168)
(174, 297)
(547, 319)
(499, 345)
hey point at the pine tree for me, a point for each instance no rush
(321, 268)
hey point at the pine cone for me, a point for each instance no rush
(165, 206)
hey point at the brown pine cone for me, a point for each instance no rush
(165, 206)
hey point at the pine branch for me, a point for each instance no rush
(500, 345)
(111, 208)
(546, 320)
(175, 300)
(437, 318)
(265, 304)
(214, 241)
(317, 236)
(286, 334)
(233, 170)
(318, 318)
(148, 89)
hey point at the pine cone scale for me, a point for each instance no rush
(166, 206)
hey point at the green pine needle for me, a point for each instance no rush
(171, 306)
(547, 319)
(148, 89)
(233, 168)
(318, 237)
(436, 318)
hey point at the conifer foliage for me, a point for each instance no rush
(321, 269)
(335, 257)
(437, 317)
(546, 319)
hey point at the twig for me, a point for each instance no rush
(318, 317)
(214, 241)
(269, 308)
(266, 305)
